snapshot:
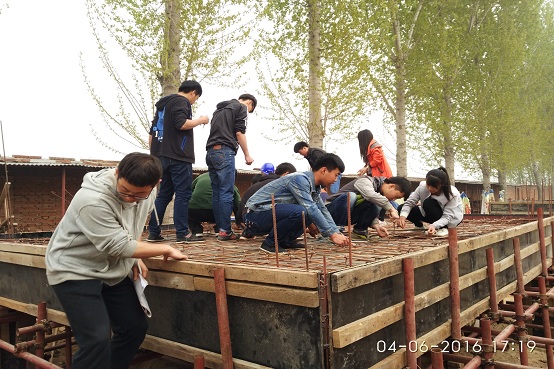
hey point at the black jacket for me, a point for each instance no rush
(229, 118)
(177, 144)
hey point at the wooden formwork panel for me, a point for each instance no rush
(367, 303)
(278, 315)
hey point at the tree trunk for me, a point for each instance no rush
(316, 133)
(401, 150)
(400, 103)
(537, 178)
(502, 180)
(447, 132)
(170, 76)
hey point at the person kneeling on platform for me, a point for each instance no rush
(440, 204)
(368, 195)
(295, 194)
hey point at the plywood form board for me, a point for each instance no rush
(357, 333)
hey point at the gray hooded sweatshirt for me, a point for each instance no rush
(98, 234)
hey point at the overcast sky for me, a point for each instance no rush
(46, 110)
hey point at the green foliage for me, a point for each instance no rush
(207, 34)
(282, 48)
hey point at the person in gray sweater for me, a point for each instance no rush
(435, 201)
(93, 251)
(368, 195)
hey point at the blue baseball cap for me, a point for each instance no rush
(267, 168)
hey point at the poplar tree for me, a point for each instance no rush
(165, 42)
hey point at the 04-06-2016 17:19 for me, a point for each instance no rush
(455, 346)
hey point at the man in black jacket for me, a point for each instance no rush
(172, 141)
(227, 133)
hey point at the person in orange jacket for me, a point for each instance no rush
(372, 154)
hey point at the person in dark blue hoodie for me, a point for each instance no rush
(172, 141)
(227, 133)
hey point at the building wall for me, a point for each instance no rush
(36, 195)
(36, 191)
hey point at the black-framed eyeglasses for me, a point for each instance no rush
(123, 194)
(130, 195)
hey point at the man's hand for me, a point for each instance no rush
(175, 254)
(204, 119)
(362, 171)
(431, 229)
(381, 231)
(401, 222)
(339, 239)
(248, 159)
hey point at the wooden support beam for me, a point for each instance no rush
(187, 353)
(236, 272)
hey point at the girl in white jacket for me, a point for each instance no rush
(434, 201)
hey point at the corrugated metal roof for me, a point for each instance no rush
(25, 160)
(52, 161)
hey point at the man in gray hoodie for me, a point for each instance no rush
(91, 254)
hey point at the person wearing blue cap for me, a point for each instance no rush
(266, 169)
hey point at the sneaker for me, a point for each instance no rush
(292, 245)
(271, 249)
(359, 234)
(224, 236)
(191, 238)
(247, 234)
(154, 238)
(443, 232)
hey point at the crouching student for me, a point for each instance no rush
(368, 195)
(295, 194)
(91, 254)
(440, 204)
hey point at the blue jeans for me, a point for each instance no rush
(288, 219)
(361, 215)
(221, 166)
(176, 179)
(94, 311)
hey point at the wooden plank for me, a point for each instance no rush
(474, 243)
(284, 295)
(187, 353)
(351, 278)
(31, 309)
(22, 248)
(237, 272)
(176, 281)
(352, 332)
(23, 259)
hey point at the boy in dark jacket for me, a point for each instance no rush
(227, 133)
(172, 141)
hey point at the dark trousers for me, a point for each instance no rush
(108, 322)
(432, 209)
(197, 216)
(176, 179)
(362, 214)
(288, 219)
